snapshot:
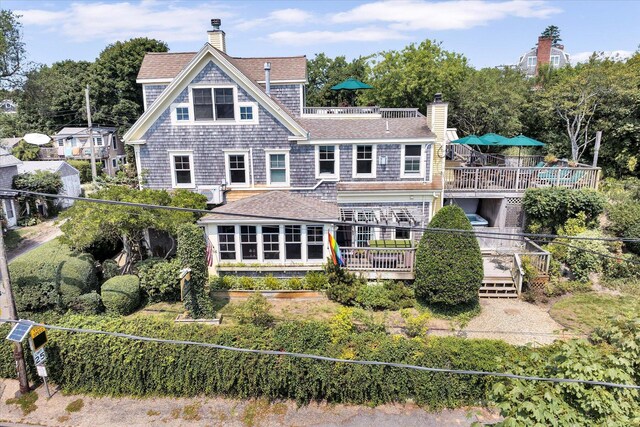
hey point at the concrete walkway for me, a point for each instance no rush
(105, 411)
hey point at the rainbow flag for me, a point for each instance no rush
(336, 256)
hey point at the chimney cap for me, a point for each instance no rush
(437, 97)
(216, 23)
(267, 65)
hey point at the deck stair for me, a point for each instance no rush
(497, 281)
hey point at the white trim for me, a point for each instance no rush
(189, 153)
(386, 196)
(267, 157)
(173, 110)
(354, 162)
(144, 97)
(152, 81)
(335, 176)
(137, 142)
(433, 152)
(423, 161)
(227, 170)
(283, 82)
(372, 141)
(206, 54)
(254, 112)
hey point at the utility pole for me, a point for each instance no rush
(18, 353)
(94, 174)
(596, 148)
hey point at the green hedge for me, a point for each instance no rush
(547, 209)
(625, 222)
(51, 276)
(84, 167)
(121, 294)
(312, 281)
(101, 365)
(160, 280)
(448, 265)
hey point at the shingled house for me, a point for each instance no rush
(238, 131)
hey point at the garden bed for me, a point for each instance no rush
(269, 294)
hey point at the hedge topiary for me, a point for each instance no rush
(192, 253)
(160, 281)
(51, 276)
(90, 303)
(121, 294)
(448, 264)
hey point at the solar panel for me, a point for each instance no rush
(19, 332)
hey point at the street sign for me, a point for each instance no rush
(39, 357)
(38, 336)
(19, 332)
(42, 370)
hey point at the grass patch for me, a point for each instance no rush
(253, 410)
(459, 314)
(191, 412)
(152, 413)
(27, 402)
(584, 312)
(75, 406)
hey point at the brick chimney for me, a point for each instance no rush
(543, 52)
(216, 36)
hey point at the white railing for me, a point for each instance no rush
(379, 259)
(322, 111)
(517, 273)
(518, 179)
(400, 113)
(538, 256)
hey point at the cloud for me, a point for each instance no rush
(616, 55)
(167, 21)
(446, 15)
(363, 34)
(282, 16)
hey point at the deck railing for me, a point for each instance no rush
(400, 113)
(538, 256)
(487, 179)
(322, 111)
(49, 153)
(379, 259)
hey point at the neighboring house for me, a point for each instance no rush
(70, 177)
(238, 130)
(8, 169)
(74, 143)
(545, 53)
(9, 143)
(8, 106)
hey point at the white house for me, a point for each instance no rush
(70, 177)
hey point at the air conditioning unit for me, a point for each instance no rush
(213, 194)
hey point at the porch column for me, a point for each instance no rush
(303, 242)
(259, 243)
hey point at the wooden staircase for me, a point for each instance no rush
(498, 287)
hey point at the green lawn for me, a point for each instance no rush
(584, 312)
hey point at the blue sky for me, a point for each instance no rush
(489, 33)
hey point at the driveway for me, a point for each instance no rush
(201, 411)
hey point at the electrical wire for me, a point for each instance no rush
(329, 359)
(10, 191)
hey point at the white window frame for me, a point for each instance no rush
(423, 160)
(189, 153)
(532, 61)
(336, 170)
(267, 155)
(254, 109)
(227, 167)
(98, 138)
(374, 164)
(554, 60)
(174, 113)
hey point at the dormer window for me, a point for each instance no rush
(555, 60)
(531, 61)
(213, 104)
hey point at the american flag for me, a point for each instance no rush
(209, 251)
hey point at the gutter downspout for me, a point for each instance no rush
(251, 166)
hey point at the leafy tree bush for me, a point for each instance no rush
(389, 295)
(121, 294)
(39, 182)
(343, 285)
(255, 311)
(547, 209)
(25, 151)
(110, 269)
(84, 167)
(613, 359)
(160, 281)
(192, 254)
(51, 276)
(583, 255)
(625, 222)
(415, 326)
(90, 303)
(448, 265)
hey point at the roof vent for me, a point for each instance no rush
(215, 23)
(437, 97)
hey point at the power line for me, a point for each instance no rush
(496, 235)
(330, 359)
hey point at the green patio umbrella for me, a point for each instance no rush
(351, 84)
(522, 141)
(471, 140)
(494, 138)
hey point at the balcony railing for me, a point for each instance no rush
(373, 111)
(488, 179)
(379, 259)
(52, 153)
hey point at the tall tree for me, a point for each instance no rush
(13, 61)
(412, 76)
(115, 95)
(490, 100)
(325, 72)
(553, 33)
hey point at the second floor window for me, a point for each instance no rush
(327, 159)
(224, 103)
(202, 104)
(364, 160)
(97, 140)
(412, 157)
(237, 169)
(531, 61)
(182, 113)
(211, 104)
(246, 113)
(277, 168)
(182, 170)
(555, 60)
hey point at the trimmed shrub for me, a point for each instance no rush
(99, 365)
(90, 303)
(51, 276)
(343, 285)
(625, 222)
(385, 296)
(255, 311)
(160, 281)
(547, 209)
(448, 265)
(316, 281)
(121, 294)
(415, 326)
(192, 253)
(110, 269)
